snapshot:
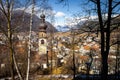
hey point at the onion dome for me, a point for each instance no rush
(43, 25)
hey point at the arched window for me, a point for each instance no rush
(42, 41)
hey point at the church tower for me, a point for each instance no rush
(42, 36)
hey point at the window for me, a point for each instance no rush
(42, 41)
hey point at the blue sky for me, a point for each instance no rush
(63, 12)
(72, 6)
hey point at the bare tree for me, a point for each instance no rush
(107, 11)
(105, 24)
(29, 51)
(6, 10)
(73, 52)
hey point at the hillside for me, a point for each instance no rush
(21, 22)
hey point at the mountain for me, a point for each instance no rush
(62, 28)
(20, 22)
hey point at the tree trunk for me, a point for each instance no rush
(104, 54)
(10, 46)
(17, 69)
(73, 52)
(11, 62)
(29, 45)
(107, 44)
(104, 68)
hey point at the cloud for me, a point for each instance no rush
(59, 14)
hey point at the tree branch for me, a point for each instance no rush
(118, 3)
(115, 27)
(94, 1)
(117, 42)
(2, 8)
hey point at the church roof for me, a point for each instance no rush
(43, 25)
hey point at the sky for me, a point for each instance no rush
(63, 12)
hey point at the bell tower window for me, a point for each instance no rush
(42, 41)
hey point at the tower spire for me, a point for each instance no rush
(42, 35)
(43, 25)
